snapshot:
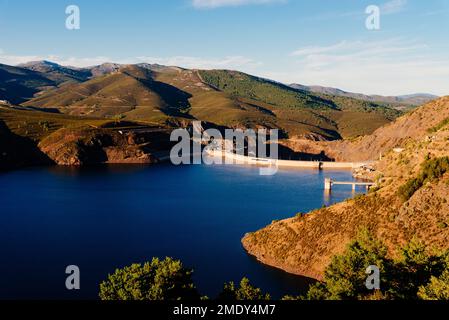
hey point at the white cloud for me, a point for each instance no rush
(66, 61)
(318, 49)
(389, 67)
(393, 6)
(211, 4)
(229, 62)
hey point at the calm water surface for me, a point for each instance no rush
(107, 217)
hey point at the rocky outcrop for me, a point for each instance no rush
(75, 147)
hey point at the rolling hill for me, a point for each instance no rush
(159, 95)
(117, 92)
(302, 113)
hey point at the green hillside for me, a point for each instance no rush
(169, 95)
(119, 93)
(326, 115)
(239, 84)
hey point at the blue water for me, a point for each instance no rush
(107, 217)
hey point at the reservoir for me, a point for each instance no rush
(107, 217)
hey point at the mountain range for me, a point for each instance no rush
(162, 95)
(403, 102)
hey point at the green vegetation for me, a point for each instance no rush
(416, 274)
(245, 291)
(118, 118)
(158, 280)
(300, 215)
(37, 125)
(437, 289)
(301, 112)
(167, 280)
(242, 85)
(345, 276)
(431, 169)
(170, 95)
(439, 126)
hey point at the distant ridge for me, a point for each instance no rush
(58, 73)
(401, 102)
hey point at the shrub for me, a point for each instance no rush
(437, 289)
(245, 292)
(430, 170)
(345, 276)
(158, 280)
(439, 126)
(442, 225)
(414, 269)
(300, 215)
(415, 275)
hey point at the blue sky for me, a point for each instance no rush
(319, 42)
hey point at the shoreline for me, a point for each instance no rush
(308, 275)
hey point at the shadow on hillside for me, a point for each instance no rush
(177, 100)
(17, 151)
(332, 134)
(285, 153)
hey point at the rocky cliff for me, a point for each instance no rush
(92, 146)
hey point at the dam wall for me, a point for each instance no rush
(239, 159)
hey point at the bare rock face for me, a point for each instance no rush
(76, 147)
(129, 154)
